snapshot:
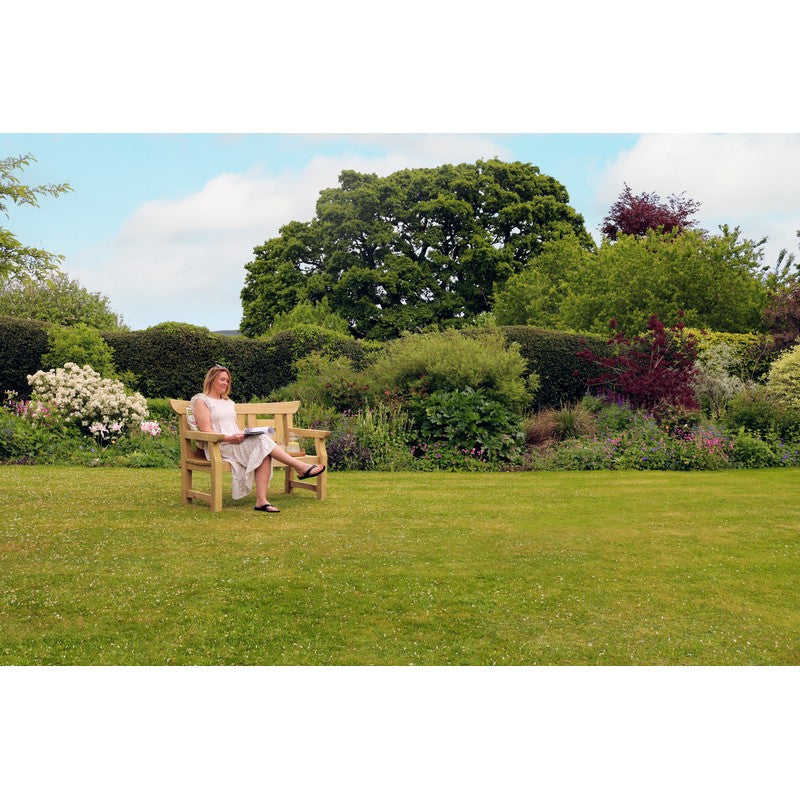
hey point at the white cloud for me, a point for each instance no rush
(749, 180)
(184, 259)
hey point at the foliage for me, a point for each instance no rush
(536, 294)
(419, 364)
(717, 282)
(469, 421)
(786, 265)
(79, 344)
(635, 215)
(553, 357)
(32, 432)
(159, 409)
(782, 314)
(418, 247)
(346, 452)
(445, 457)
(170, 359)
(759, 412)
(317, 315)
(374, 438)
(325, 381)
(638, 440)
(83, 395)
(783, 379)
(716, 381)
(16, 259)
(20, 441)
(750, 353)
(59, 299)
(753, 452)
(24, 344)
(648, 370)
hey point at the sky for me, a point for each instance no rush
(163, 224)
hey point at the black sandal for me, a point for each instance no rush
(307, 473)
(268, 507)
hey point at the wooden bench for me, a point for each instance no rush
(250, 415)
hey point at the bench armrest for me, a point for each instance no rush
(202, 436)
(310, 433)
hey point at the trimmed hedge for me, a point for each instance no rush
(553, 355)
(24, 344)
(171, 359)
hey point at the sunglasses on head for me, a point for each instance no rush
(220, 366)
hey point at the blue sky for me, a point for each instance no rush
(163, 224)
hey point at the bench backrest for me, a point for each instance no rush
(252, 415)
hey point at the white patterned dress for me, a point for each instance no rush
(244, 458)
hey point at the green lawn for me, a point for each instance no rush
(105, 566)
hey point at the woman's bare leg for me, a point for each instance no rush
(279, 454)
(261, 475)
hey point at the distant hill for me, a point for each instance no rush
(228, 333)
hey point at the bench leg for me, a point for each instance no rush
(216, 489)
(186, 485)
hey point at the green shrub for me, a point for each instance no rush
(751, 451)
(615, 417)
(80, 344)
(469, 421)
(420, 364)
(159, 408)
(717, 379)
(316, 315)
(325, 381)
(20, 442)
(373, 438)
(783, 379)
(572, 454)
(753, 411)
(24, 344)
(750, 353)
(592, 403)
(552, 355)
(386, 433)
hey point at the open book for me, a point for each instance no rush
(258, 431)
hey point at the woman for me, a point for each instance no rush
(250, 457)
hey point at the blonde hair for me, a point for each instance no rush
(212, 375)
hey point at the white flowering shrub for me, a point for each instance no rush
(81, 394)
(716, 381)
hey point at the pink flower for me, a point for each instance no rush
(151, 427)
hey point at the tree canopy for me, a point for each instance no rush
(17, 259)
(418, 247)
(57, 298)
(636, 214)
(717, 281)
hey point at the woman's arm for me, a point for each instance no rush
(203, 418)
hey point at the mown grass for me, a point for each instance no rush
(105, 566)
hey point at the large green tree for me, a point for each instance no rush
(718, 281)
(17, 259)
(417, 247)
(57, 298)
